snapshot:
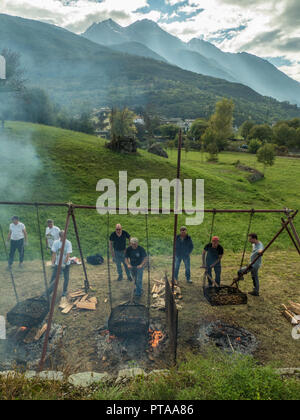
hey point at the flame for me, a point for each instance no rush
(22, 328)
(238, 339)
(156, 336)
(111, 338)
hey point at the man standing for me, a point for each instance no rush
(66, 264)
(117, 246)
(257, 249)
(17, 237)
(136, 259)
(184, 248)
(211, 258)
(52, 234)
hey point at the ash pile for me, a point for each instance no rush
(23, 347)
(121, 352)
(229, 338)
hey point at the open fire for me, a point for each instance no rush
(155, 337)
(119, 352)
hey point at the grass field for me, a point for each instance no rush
(63, 166)
(261, 316)
(48, 164)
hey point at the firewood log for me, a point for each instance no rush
(290, 317)
(294, 307)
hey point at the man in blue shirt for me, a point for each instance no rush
(257, 249)
(136, 259)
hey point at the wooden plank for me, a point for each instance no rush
(93, 300)
(67, 308)
(294, 307)
(78, 293)
(86, 305)
(84, 298)
(159, 282)
(290, 317)
(153, 289)
(40, 332)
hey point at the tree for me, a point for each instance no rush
(122, 123)
(12, 86)
(197, 129)
(168, 130)
(221, 122)
(283, 134)
(122, 131)
(37, 107)
(152, 121)
(187, 145)
(209, 137)
(266, 155)
(262, 132)
(245, 128)
(213, 152)
(254, 146)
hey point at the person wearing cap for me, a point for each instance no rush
(184, 248)
(17, 237)
(136, 259)
(52, 234)
(211, 258)
(117, 244)
(66, 264)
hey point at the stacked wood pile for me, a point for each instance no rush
(158, 296)
(78, 300)
(292, 312)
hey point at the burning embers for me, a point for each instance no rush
(23, 346)
(155, 337)
(228, 337)
(118, 352)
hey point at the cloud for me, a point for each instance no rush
(75, 15)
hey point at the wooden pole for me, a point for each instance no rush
(86, 281)
(42, 253)
(248, 268)
(294, 231)
(50, 318)
(291, 236)
(176, 207)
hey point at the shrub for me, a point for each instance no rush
(254, 145)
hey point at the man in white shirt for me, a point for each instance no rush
(257, 249)
(52, 234)
(66, 263)
(17, 237)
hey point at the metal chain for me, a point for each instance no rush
(246, 241)
(108, 265)
(42, 252)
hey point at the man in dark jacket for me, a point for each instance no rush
(211, 258)
(184, 248)
(117, 244)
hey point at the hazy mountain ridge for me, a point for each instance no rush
(81, 74)
(253, 71)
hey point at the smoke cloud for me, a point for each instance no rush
(19, 165)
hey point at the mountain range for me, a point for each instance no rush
(199, 56)
(80, 74)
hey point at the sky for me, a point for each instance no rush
(267, 28)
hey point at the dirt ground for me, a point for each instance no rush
(280, 282)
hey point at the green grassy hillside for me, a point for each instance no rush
(40, 163)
